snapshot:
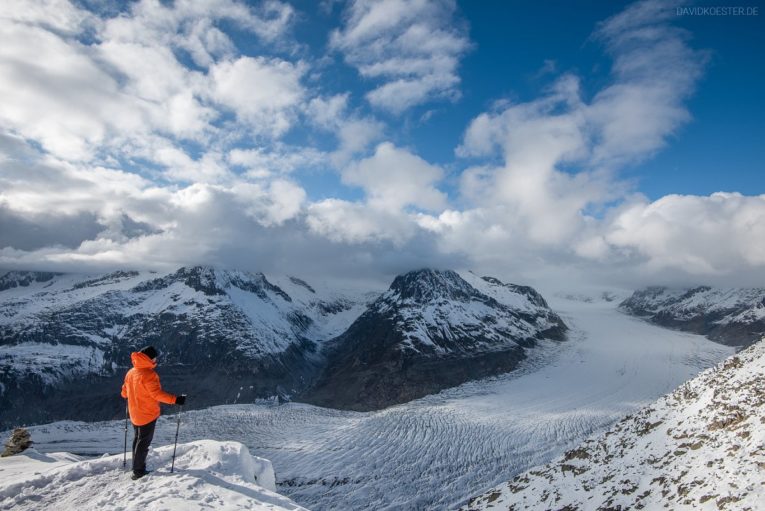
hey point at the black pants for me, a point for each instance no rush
(141, 442)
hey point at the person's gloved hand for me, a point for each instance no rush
(180, 400)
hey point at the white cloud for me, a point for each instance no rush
(413, 46)
(53, 92)
(265, 93)
(280, 201)
(354, 133)
(698, 235)
(107, 128)
(654, 71)
(189, 25)
(210, 168)
(77, 83)
(395, 178)
(58, 15)
(393, 181)
(355, 223)
(137, 222)
(544, 204)
(260, 163)
(549, 203)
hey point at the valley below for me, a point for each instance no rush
(438, 451)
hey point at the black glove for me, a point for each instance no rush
(180, 400)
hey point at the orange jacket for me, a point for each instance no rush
(143, 391)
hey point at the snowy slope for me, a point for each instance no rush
(208, 475)
(731, 316)
(438, 451)
(700, 447)
(65, 337)
(277, 314)
(100, 310)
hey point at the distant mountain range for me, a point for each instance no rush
(735, 317)
(231, 336)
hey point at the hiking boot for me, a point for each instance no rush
(139, 474)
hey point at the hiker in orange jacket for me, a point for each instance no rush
(144, 393)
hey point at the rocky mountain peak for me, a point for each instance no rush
(427, 285)
(13, 279)
(215, 282)
(200, 278)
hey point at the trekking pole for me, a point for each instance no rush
(177, 427)
(124, 451)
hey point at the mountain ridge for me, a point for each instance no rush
(225, 335)
(732, 316)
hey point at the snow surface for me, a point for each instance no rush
(436, 452)
(51, 362)
(701, 447)
(503, 294)
(208, 475)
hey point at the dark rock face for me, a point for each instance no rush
(19, 442)
(430, 331)
(24, 278)
(735, 317)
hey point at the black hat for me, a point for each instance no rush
(150, 351)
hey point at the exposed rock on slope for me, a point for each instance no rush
(701, 447)
(432, 330)
(731, 316)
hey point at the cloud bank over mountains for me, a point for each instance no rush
(205, 132)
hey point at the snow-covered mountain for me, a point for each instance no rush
(431, 330)
(231, 336)
(700, 447)
(224, 336)
(208, 475)
(731, 316)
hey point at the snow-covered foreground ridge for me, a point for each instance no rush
(700, 447)
(208, 475)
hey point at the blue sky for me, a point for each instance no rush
(528, 140)
(721, 149)
(519, 48)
